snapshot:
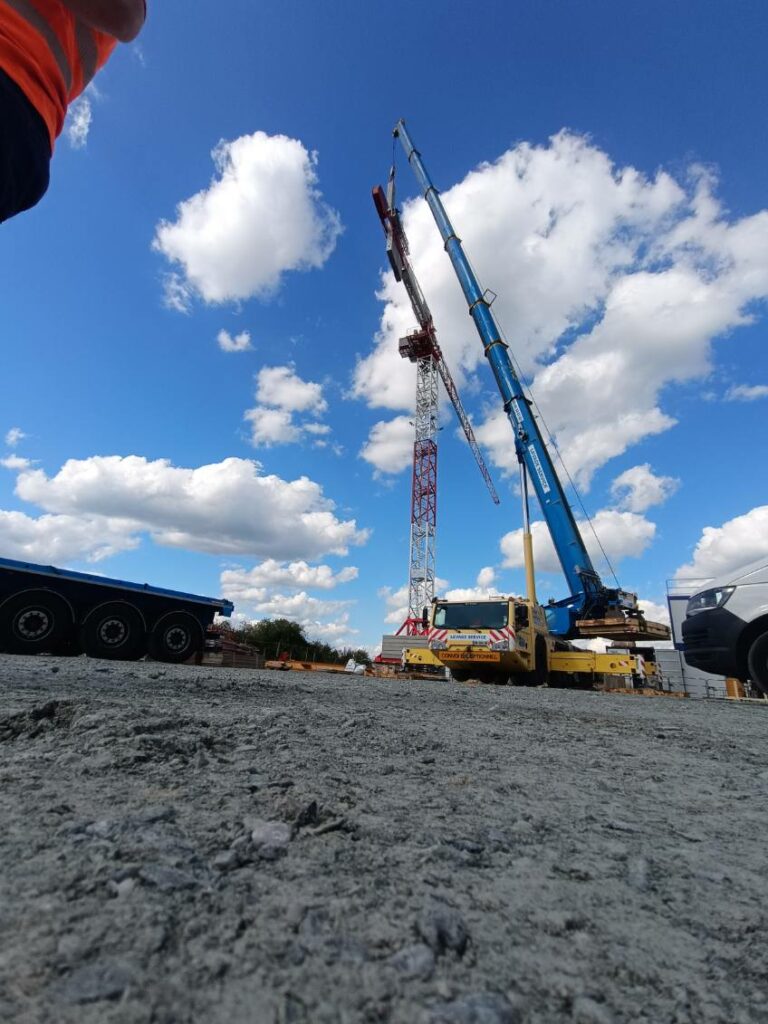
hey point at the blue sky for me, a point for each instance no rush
(640, 314)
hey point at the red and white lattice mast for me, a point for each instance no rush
(422, 348)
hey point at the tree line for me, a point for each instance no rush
(277, 638)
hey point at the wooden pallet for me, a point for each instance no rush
(623, 629)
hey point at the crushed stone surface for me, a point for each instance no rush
(187, 844)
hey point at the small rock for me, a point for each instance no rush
(271, 838)
(217, 964)
(55, 669)
(622, 826)
(637, 873)
(334, 825)
(105, 979)
(122, 888)
(307, 815)
(166, 879)
(157, 814)
(101, 829)
(228, 860)
(587, 1011)
(415, 961)
(45, 711)
(443, 928)
(476, 1008)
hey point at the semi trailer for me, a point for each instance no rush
(56, 611)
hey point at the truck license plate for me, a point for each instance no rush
(468, 655)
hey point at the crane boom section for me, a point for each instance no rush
(399, 258)
(577, 566)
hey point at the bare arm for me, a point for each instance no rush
(122, 19)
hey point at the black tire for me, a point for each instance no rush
(460, 675)
(114, 631)
(176, 638)
(540, 673)
(35, 622)
(758, 664)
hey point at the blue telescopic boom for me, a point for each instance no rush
(589, 597)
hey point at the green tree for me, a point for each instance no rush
(274, 637)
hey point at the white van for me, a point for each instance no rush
(726, 626)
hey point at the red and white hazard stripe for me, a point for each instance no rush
(497, 635)
(437, 634)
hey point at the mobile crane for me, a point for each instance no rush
(592, 609)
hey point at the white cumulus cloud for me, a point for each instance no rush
(737, 542)
(228, 507)
(389, 448)
(486, 577)
(78, 122)
(14, 435)
(237, 343)
(612, 285)
(282, 395)
(271, 426)
(746, 392)
(252, 584)
(15, 462)
(622, 535)
(56, 539)
(281, 387)
(262, 216)
(639, 488)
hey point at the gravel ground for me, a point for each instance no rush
(190, 844)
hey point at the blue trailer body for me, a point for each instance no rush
(589, 597)
(44, 609)
(222, 606)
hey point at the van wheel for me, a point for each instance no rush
(114, 631)
(35, 622)
(460, 675)
(176, 638)
(758, 664)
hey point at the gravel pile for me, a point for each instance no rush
(204, 845)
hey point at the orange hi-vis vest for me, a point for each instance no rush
(50, 54)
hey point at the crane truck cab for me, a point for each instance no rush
(726, 626)
(500, 639)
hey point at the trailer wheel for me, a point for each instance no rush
(176, 638)
(758, 664)
(35, 622)
(114, 631)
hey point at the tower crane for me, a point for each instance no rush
(591, 608)
(421, 347)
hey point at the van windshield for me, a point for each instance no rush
(472, 615)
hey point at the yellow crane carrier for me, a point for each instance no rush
(506, 640)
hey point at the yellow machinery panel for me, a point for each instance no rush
(591, 663)
(419, 657)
